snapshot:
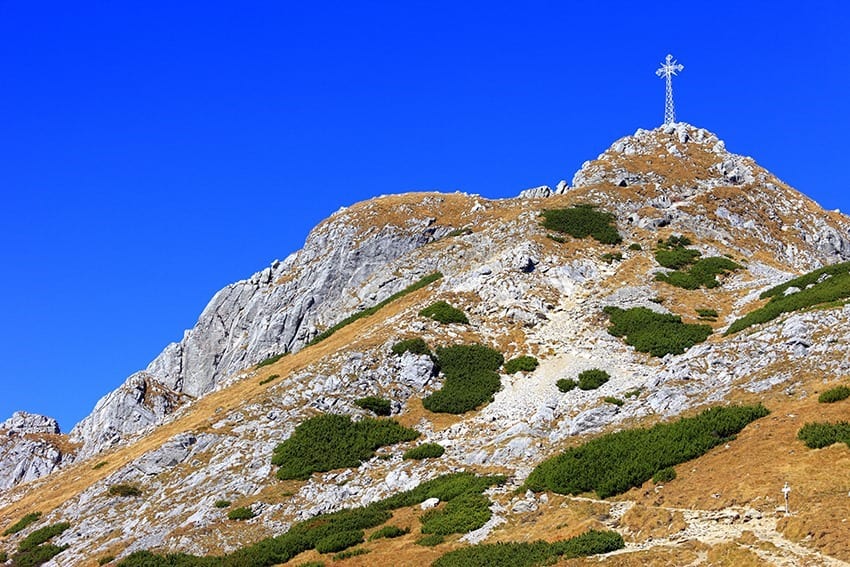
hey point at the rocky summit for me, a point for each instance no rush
(626, 368)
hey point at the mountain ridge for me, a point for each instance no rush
(523, 292)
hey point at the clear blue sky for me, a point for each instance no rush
(153, 152)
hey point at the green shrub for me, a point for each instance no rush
(445, 488)
(613, 463)
(415, 345)
(351, 553)
(100, 465)
(612, 257)
(613, 400)
(459, 232)
(635, 246)
(425, 451)
(241, 513)
(431, 540)
(3, 556)
(820, 435)
(834, 395)
(710, 314)
(339, 541)
(582, 221)
(592, 379)
(328, 442)
(521, 364)
(444, 313)
(429, 279)
(222, 503)
(676, 258)
(270, 360)
(22, 524)
(389, 532)
(828, 285)
(702, 274)
(37, 555)
(463, 514)
(675, 242)
(655, 333)
(470, 378)
(378, 406)
(664, 475)
(566, 384)
(106, 559)
(42, 535)
(124, 490)
(632, 393)
(531, 554)
(271, 378)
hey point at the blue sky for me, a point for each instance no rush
(153, 152)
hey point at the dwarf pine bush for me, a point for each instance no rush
(378, 406)
(582, 221)
(470, 378)
(328, 442)
(655, 333)
(613, 463)
(834, 395)
(521, 364)
(444, 313)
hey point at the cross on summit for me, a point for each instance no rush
(669, 68)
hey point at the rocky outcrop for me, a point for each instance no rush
(26, 452)
(342, 268)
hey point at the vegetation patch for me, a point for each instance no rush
(521, 364)
(241, 514)
(530, 554)
(616, 462)
(463, 514)
(42, 535)
(592, 379)
(672, 254)
(271, 378)
(350, 553)
(443, 313)
(471, 378)
(389, 532)
(582, 221)
(431, 540)
(556, 238)
(613, 400)
(416, 345)
(23, 523)
(834, 395)
(459, 232)
(820, 435)
(378, 406)
(611, 257)
(328, 442)
(656, 333)
(339, 540)
(100, 465)
(222, 503)
(270, 360)
(106, 559)
(37, 555)
(707, 314)
(664, 475)
(374, 309)
(635, 246)
(566, 384)
(125, 490)
(823, 287)
(425, 451)
(305, 535)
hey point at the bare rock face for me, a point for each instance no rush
(22, 422)
(24, 453)
(279, 309)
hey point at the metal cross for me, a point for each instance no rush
(668, 69)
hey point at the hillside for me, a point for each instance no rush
(630, 276)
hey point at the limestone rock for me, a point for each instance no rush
(22, 422)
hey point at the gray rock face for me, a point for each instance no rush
(23, 460)
(278, 309)
(172, 453)
(22, 422)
